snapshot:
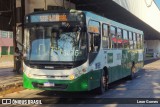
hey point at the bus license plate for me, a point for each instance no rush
(47, 84)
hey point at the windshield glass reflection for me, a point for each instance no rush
(55, 44)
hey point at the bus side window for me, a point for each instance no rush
(135, 40)
(94, 36)
(91, 42)
(105, 37)
(141, 41)
(138, 41)
(131, 40)
(94, 42)
(125, 39)
(113, 37)
(119, 38)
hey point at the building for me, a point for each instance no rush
(6, 36)
(6, 15)
(6, 43)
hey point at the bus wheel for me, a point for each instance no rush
(133, 71)
(103, 84)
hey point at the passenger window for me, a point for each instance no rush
(138, 41)
(94, 36)
(131, 44)
(141, 41)
(113, 36)
(119, 38)
(125, 39)
(135, 40)
(105, 37)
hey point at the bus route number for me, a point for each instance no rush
(69, 53)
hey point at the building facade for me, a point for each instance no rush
(6, 43)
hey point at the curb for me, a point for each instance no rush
(9, 88)
(5, 67)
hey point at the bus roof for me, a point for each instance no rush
(95, 17)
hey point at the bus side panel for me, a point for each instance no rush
(94, 79)
(126, 62)
(124, 69)
(115, 73)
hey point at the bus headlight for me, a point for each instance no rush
(72, 77)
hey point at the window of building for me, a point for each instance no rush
(4, 34)
(10, 34)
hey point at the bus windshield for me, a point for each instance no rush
(55, 43)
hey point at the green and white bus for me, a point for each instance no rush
(72, 50)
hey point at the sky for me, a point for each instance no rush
(158, 3)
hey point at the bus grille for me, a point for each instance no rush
(52, 76)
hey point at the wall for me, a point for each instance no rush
(153, 45)
(18, 3)
(146, 10)
(31, 4)
(0, 51)
(4, 23)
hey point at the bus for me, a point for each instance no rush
(74, 50)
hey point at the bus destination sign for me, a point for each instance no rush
(50, 18)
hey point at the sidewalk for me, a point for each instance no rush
(9, 81)
(6, 61)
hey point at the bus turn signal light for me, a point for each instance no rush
(71, 77)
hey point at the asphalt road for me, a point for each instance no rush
(145, 85)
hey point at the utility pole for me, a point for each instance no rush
(22, 19)
(45, 3)
(22, 16)
(14, 28)
(63, 4)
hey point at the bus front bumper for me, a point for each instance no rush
(79, 84)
